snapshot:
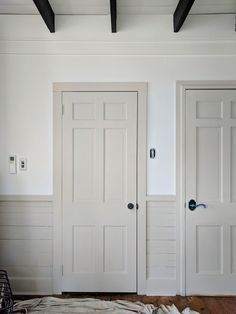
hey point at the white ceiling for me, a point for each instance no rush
(123, 6)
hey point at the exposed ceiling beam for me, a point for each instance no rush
(47, 13)
(181, 13)
(113, 10)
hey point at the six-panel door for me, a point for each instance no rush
(211, 179)
(99, 180)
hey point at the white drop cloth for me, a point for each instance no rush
(49, 305)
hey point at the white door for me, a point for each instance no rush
(211, 180)
(99, 181)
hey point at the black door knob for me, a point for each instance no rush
(130, 205)
(192, 205)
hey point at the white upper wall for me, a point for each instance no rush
(135, 28)
(83, 49)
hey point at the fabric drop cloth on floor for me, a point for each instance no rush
(49, 305)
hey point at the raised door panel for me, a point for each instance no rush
(84, 249)
(84, 162)
(84, 111)
(115, 111)
(233, 109)
(209, 109)
(208, 164)
(233, 249)
(233, 164)
(209, 250)
(115, 165)
(115, 249)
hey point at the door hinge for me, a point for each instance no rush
(137, 206)
(62, 109)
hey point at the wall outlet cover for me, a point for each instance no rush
(23, 164)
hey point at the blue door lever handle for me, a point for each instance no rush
(192, 205)
(201, 205)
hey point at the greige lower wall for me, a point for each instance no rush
(26, 243)
(161, 246)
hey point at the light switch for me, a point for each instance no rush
(12, 164)
(23, 164)
(152, 153)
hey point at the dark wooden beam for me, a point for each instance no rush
(181, 13)
(113, 10)
(47, 13)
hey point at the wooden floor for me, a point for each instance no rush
(203, 305)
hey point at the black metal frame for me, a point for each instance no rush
(6, 297)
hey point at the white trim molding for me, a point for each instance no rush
(141, 89)
(181, 88)
(160, 48)
(25, 198)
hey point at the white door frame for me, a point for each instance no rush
(181, 88)
(141, 89)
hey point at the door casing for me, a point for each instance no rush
(181, 88)
(141, 89)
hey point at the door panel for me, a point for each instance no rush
(115, 165)
(99, 180)
(84, 185)
(208, 163)
(83, 255)
(233, 249)
(233, 164)
(209, 249)
(115, 256)
(210, 179)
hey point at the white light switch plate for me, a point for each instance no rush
(12, 164)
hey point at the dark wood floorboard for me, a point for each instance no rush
(203, 305)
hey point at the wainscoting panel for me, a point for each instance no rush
(26, 243)
(161, 245)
